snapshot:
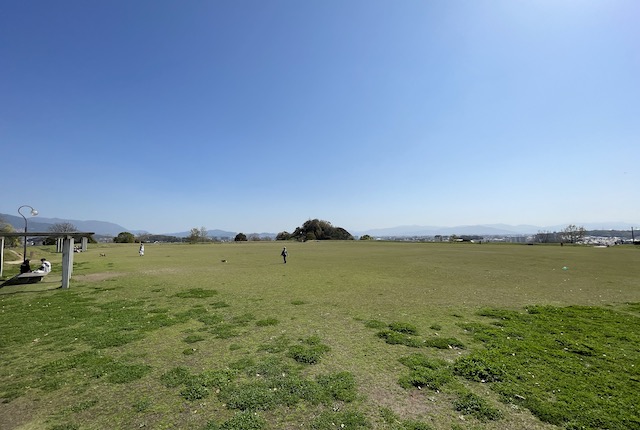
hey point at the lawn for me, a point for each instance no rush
(351, 335)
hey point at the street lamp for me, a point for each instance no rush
(33, 213)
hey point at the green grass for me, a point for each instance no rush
(354, 334)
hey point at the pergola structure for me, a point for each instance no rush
(65, 245)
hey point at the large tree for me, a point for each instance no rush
(240, 237)
(573, 233)
(315, 229)
(124, 237)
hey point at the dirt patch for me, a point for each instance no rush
(16, 255)
(18, 414)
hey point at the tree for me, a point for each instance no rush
(320, 230)
(124, 237)
(240, 237)
(144, 237)
(283, 235)
(366, 237)
(204, 234)
(63, 227)
(194, 235)
(9, 242)
(572, 233)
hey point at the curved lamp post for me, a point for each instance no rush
(33, 213)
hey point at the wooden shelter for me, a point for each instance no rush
(65, 243)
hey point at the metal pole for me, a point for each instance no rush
(33, 213)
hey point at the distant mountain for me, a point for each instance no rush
(43, 224)
(486, 230)
(103, 228)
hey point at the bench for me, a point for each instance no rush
(25, 278)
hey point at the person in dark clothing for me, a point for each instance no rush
(284, 254)
(25, 267)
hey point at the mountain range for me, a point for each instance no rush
(104, 228)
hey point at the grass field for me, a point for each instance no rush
(346, 335)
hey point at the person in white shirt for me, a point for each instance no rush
(45, 266)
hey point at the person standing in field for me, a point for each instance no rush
(284, 254)
(141, 249)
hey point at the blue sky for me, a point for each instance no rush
(255, 116)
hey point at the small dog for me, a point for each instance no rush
(224, 261)
(102, 254)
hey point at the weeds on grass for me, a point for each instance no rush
(267, 322)
(443, 343)
(403, 327)
(193, 338)
(395, 338)
(276, 345)
(175, 377)
(402, 333)
(92, 364)
(574, 366)
(245, 420)
(375, 324)
(196, 293)
(425, 372)
(309, 351)
(471, 404)
(142, 405)
(347, 420)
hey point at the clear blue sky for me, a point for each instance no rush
(255, 116)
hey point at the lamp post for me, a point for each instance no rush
(33, 213)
